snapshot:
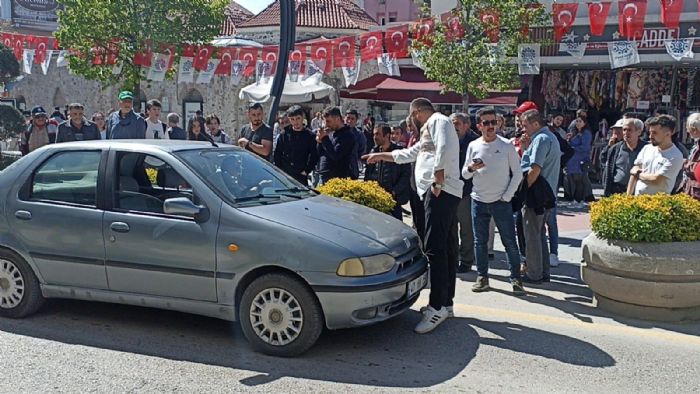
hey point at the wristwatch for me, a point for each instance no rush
(437, 185)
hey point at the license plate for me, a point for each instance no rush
(417, 284)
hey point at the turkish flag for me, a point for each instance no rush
(171, 50)
(299, 55)
(454, 27)
(250, 55)
(564, 15)
(597, 16)
(55, 44)
(144, 57)
(632, 14)
(371, 46)
(226, 55)
(201, 60)
(323, 51)
(189, 50)
(98, 54)
(7, 40)
(491, 19)
(396, 41)
(41, 44)
(671, 13)
(270, 54)
(344, 52)
(112, 53)
(18, 45)
(423, 31)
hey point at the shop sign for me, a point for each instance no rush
(642, 104)
(35, 14)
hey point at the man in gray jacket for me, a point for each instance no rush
(125, 123)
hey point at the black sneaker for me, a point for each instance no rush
(463, 268)
(518, 288)
(481, 285)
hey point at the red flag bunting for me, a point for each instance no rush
(18, 45)
(564, 16)
(671, 13)
(424, 30)
(112, 52)
(41, 45)
(189, 50)
(597, 16)
(632, 14)
(226, 55)
(7, 40)
(251, 55)
(454, 26)
(144, 57)
(491, 19)
(344, 52)
(204, 53)
(396, 41)
(55, 44)
(171, 50)
(298, 54)
(98, 54)
(270, 55)
(323, 51)
(371, 46)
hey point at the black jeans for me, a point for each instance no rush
(418, 214)
(441, 246)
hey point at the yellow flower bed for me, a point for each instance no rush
(369, 194)
(657, 218)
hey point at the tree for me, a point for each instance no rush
(97, 28)
(9, 66)
(11, 122)
(469, 53)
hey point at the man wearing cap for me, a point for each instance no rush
(38, 131)
(77, 127)
(125, 123)
(618, 156)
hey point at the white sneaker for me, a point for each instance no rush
(553, 260)
(450, 310)
(431, 319)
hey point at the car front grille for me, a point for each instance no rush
(408, 259)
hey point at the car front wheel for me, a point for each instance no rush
(20, 294)
(280, 316)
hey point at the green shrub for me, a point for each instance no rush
(369, 194)
(657, 218)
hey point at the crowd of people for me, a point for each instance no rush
(461, 182)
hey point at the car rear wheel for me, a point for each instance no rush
(280, 316)
(20, 294)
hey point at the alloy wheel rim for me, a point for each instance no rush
(11, 285)
(276, 317)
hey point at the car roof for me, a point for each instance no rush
(162, 145)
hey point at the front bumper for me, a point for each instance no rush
(355, 306)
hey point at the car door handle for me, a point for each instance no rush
(23, 215)
(120, 227)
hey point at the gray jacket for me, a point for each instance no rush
(122, 128)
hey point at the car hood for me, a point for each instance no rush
(363, 231)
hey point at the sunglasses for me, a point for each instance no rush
(489, 122)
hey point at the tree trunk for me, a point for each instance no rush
(465, 103)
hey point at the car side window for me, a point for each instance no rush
(69, 177)
(145, 182)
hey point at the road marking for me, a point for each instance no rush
(641, 332)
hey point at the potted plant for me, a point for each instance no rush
(369, 194)
(643, 258)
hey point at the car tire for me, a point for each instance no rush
(280, 315)
(20, 294)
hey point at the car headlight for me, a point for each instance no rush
(366, 266)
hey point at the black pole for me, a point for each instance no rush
(288, 21)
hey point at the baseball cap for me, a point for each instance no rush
(524, 107)
(126, 95)
(38, 110)
(618, 124)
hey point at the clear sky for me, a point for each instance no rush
(255, 6)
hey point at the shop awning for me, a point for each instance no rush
(294, 92)
(413, 84)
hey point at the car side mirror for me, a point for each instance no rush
(183, 206)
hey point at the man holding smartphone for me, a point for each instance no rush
(493, 165)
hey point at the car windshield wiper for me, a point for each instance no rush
(257, 197)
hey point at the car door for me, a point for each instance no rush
(57, 216)
(147, 251)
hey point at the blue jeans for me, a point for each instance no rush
(553, 232)
(502, 214)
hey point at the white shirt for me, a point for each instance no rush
(153, 128)
(438, 149)
(666, 163)
(500, 177)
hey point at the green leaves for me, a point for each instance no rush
(9, 66)
(11, 122)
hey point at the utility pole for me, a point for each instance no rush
(288, 22)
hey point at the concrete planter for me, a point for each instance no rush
(649, 281)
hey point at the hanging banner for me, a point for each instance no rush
(424, 30)
(185, 73)
(396, 41)
(47, 62)
(41, 46)
(454, 27)
(597, 15)
(207, 74)
(529, 59)
(680, 49)
(623, 53)
(371, 45)
(351, 74)
(344, 52)
(416, 58)
(297, 58)
(18, 46)
(575, 49)
(269, 55)
(226, 55)
(201, 60)
(564, 16)
(632, 14)
(35, 14)
(322, 53)
(263, 72)
(237, 70)
(671, 13)
(62, 60)
(113, 53)
(144, 56)
(7, 40)
(250, 55)
(313, 70)
(159, 66)
(294, 70)
(28, 60)
(170, 50)
(388, 65)
(491, 19)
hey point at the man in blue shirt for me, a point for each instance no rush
(541, 159)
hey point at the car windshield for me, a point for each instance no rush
(242, 178)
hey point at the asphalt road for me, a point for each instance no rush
(553, 340)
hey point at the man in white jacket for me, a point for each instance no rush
(437, 181)
(494, 166)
